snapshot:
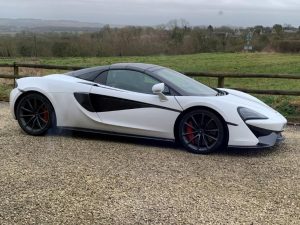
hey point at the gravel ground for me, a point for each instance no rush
(76, 178)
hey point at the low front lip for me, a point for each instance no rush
(265, 138)
(267, 141)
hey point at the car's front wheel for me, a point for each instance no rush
(201, 131)
(35, 114)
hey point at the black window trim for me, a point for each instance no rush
(103, 73)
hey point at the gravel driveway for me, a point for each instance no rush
(76, 178)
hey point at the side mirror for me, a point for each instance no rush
(158, 89)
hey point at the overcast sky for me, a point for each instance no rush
(154, 12)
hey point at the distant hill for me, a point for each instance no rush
(38, 25)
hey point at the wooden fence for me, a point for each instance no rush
(220, 77)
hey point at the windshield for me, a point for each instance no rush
(184, 83)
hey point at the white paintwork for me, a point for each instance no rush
(158, 89)
(227, 106)
(152, 122)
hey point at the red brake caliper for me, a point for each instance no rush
(190, 130)
(45, 114)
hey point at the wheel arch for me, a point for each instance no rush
(33, 92)
(176, 125)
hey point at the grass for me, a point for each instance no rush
(222, 62)
(209, 62)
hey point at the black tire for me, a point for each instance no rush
(201, 131)
(35, 114)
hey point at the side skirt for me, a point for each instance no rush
(115, 134)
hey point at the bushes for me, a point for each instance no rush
(292, 46)
(177, 37)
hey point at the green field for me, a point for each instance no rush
(206, 62)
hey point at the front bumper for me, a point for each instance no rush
(266, 138)
(14, 94)
(270, 140)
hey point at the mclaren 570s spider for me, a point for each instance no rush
(145, 101)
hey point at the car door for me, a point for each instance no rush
(126, 104)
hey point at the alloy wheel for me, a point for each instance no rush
(34, 114)
(201, 131)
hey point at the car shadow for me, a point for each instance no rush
(248, 152)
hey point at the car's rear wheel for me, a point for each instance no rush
(201, 131)
(35, 114)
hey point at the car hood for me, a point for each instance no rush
(241, 99)
(227, 105)
(246, 96)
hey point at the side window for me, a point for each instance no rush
(90, 76)
(101, 79)
(131, 80)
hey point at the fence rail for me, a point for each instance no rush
(220, 76)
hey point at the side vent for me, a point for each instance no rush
(84, 100)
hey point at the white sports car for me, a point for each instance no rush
(147, 101)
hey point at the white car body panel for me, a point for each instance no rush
(157, 122)
(149, 121)
(227, 106)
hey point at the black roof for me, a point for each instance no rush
(87, 70)
(91, 73)
(135, 66)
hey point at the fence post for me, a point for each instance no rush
(221, 82)
(16, 71)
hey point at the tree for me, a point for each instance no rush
(278, 29)
(180, 23)
(61, 49)
(258, 29)
(210, 29)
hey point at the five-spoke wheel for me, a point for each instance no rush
(201, 131)
(35, 114)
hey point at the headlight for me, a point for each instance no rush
(249, 114)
